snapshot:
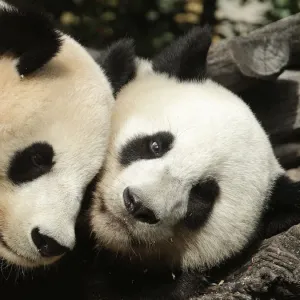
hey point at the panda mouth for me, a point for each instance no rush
(104, 209)
(8, 248)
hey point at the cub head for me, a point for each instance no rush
(55, 108)
(189, 170)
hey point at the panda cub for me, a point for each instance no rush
(190, 179)
(55, 107)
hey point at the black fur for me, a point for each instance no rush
(79, 277)
(139, 147)
(28, 36)
(201, 202)
(124, 279)
(185, 58)
(31, 163)
(283, 210)
(118, 62)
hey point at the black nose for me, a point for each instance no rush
(135, 207)
(47, 246)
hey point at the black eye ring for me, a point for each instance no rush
(155, 147)
(30, 163)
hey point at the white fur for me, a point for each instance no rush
(68, 105)
(217, 135)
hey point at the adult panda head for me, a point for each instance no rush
(190, 177)
(55, 107)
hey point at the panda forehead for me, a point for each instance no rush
(21, 99)
(156, 101)
(152, 93)
(181, 124)
(199, 110)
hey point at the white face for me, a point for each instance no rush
(53, 136)
(181, 177)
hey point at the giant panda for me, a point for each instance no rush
(190, 181)
(55, 107)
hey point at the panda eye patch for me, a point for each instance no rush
(30, 163)
(146, 147)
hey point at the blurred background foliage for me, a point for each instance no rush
(154, 23)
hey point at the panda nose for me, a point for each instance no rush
(135, 207)
(47, 246)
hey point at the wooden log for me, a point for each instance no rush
(272, 273)
(241, 62)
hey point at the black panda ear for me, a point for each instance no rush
(28, 36)
(283, 210)
(118, 62)
(186, 57)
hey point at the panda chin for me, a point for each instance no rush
(11, 257)
(129, 244)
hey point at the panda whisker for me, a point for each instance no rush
(140, 256)
(17, 273)
(117, 253)
(133, 251)
(10, 267)
(23, 271)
